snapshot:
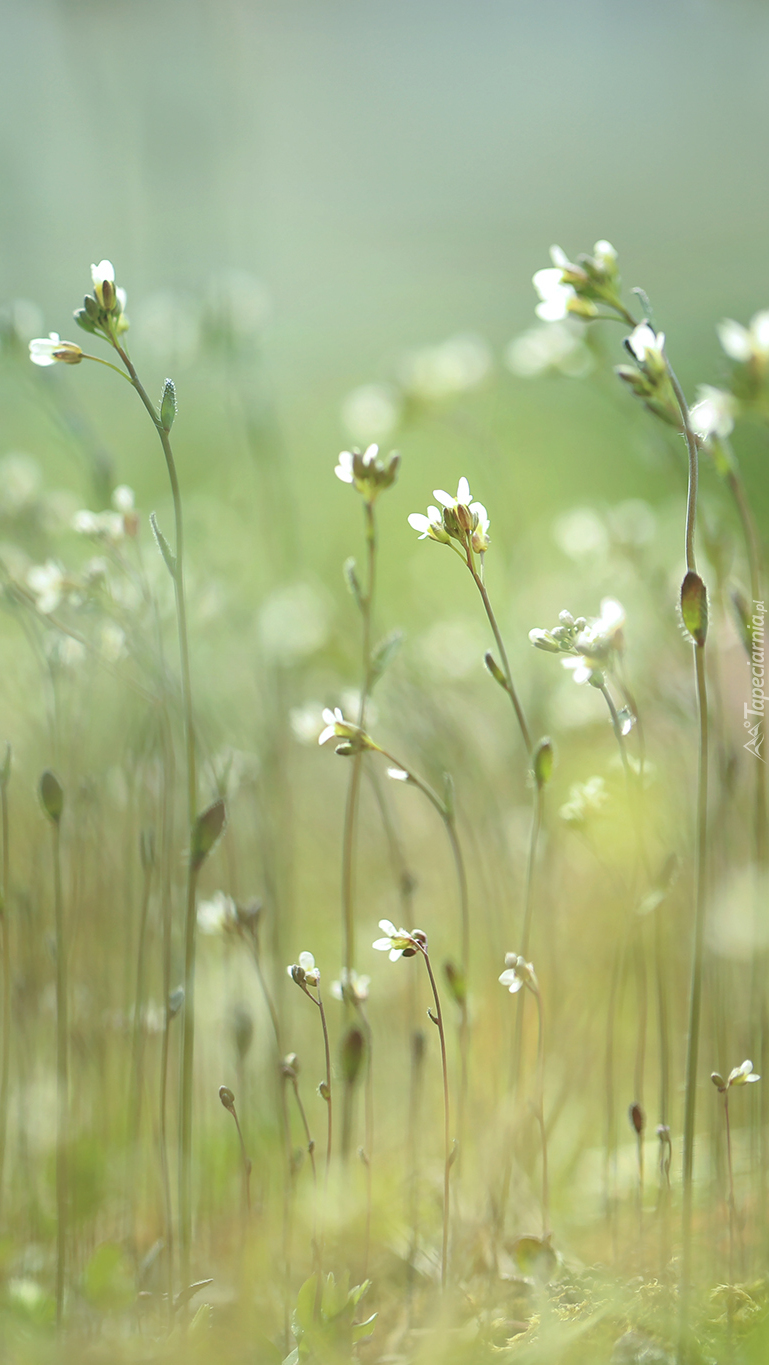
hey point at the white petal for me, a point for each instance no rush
(419, 522)
(735, 339)
(387, 927)
(382, 945)
(559, 258)
(105, 270)
(395, 953)
(759, 328)
(548, 282)
(398, 774)
(445, 499)
(463, 492)
(306, 962)
(326, 734)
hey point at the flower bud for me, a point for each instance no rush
(352, 1054)
(718, 1081)
(51, 796)
(542, 761)
(175, 1001)
(168, 405)
(694, 607)
(207, 830)
(637, 1118)
(544, 639)
(324, 1091)
(227, 1098)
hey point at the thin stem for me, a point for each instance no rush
(446, 1122)
(324, 1026)
(62, 1080)
(188, 1020)
(245, 1159)
(368, 1152)
(166, 863)
(731, 1185)
(509, 685)
(308, 1136)
(5, 1065)
(137, 1046)
(541, 1113)
(617, 728)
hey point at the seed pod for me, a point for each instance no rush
(494, 669)
(637, 1118)
(51, 796)
(694, 607)
(352, 1053)
(208, 828)
(168, 405)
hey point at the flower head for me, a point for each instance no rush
(46, 351)
(589, 645)
(647, 346)
(585, 799)
(745, 344)
(742, 1075)
(461, 519)
(398, 942)
(351, 987)
(367, 471)
(354, 739)
(518, 973)
(304, 972)
(430, 526)
(217, 915)
(714, 412)
(566, 287)
(48, 583)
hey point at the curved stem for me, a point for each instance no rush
(62, 1081)
(5, 1066)
(446, 1122)
(541, 1113)
(509, 685)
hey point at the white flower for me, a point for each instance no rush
(714, 412)
(461, 500)
(596, 642)
(398, 775)
(454, 366)
(647, 345)
(518, 973)
(397, 941)
(217, 915)
(47, 350)
(333, 719)
(351, 987)
(605, 256)
(104, 273)
(742, 1075)
(113, 641)
(745, 343)
(555, 296)
(305, 721)
(47, 583)
(551, 346)
(123, 498)
(430, 526)
(343, 470)
(108, 526)
(371, 412)
(585, 799)
(479, 537)
(304, 973)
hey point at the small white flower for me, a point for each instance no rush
(332, 719)
(647, 345)
(745, 343)
(555, 296)
(104, 273)
(351, 987)
(585, 799)
(47, 350)
(605, 256)
(430, 526)
(518, 973)
(462, 498)
(714, 412)
(742, 1075)
(396, 942)
(455, 366)
(217, 915)
(108, 526)
(48, 585)
(304, 973)
(553, 346)
(343, 470)
(398, 775)
(123, 498)
(479, 537)
(113, 641)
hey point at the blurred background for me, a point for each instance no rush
(326, 214)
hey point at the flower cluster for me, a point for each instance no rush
(740, 1075)
(399, 942)
(369, 473)
(589, 646)
(648, 377)
(461, 519)
(585, 799)
(576, 288)
(103, 312)
(304, 972)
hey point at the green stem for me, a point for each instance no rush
(509, 685)
(446, 1122)
(190, 926)
(541, 1113)
(166, 862)
(5, 1065)
(62, 1080)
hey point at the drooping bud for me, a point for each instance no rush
(243, 1029)
(227, 1098)
(718, 1081)
(168, 406)
(494, 669)
(637, 1118)
(352, 1054)
(51, 796)
(694, 607)
(324, 1091)
(207, 830)
(542, 761)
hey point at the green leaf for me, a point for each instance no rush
(384, 653)
(305, 1303)
(361, 1331)
(165, 549)
(108, 1281)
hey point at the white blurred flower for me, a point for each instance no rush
(745, 343)
(123, 498)
(306, 721)
(47, 350)
(554, 346)
(581, 534)
(372, 412)
(108, 526)
(398, 775)
(237, 307)
(21, 320)
(555, 296)
(605, 256)
(293, 622)
(20, 483)
(66, 652)
(113, 642)
(601, 637)
(351, 987)
(48, 584)
(397, 941)
(452, 367)
(585, 799)
(217, 915)
(714, 412)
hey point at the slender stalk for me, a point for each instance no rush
(137, 1041)
(446, 1121)
(228, 1100)
(190, 925)
(5, 929)
(329, 1105)
(731, 1185)
(166, 863)
(541, 1113)
(308, 1136)
(509, 684)
(413, 1146)
(368, 1151)
(365, 599)
(62, 1080)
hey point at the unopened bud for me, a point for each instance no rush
(168, 405)
(494, 669)
(718, 1081)
(694, 607)
(227, 1098)
(51, 796)
(637, 1118)
(542, 761)
(324, 1091)
(352, 1053)
(207, 829)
